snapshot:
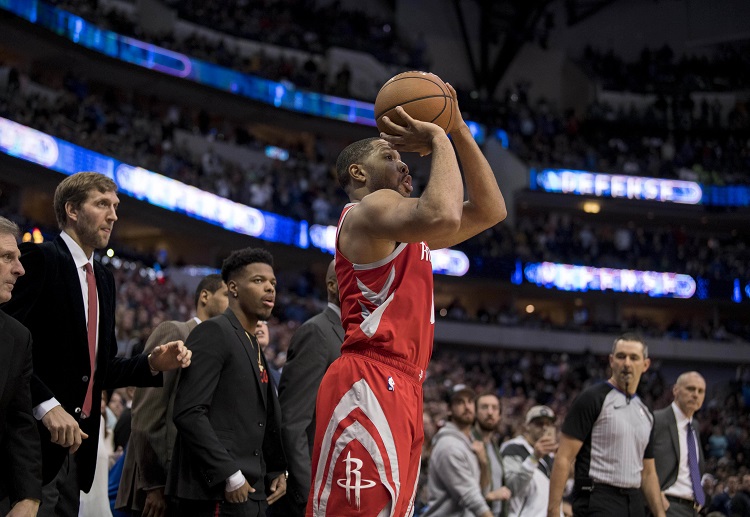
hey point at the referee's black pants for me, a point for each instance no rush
(609, 501)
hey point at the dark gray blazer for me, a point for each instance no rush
(226, 418)
(20, 450)
(152, 433)
(314, 346)
(667, 447)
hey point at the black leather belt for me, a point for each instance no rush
(685, 502)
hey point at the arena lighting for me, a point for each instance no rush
(147, 55)
(592, 207)
(34, 146)
(444, 262)
(276, 153)
(567, 277)
(616, 186)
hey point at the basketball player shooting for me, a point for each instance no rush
(369, 434)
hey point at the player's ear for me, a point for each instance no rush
(357, 173)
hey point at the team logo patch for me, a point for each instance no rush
(354, 482)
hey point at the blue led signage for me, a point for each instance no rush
(583, 183)
(567, 277)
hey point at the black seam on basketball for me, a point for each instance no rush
(378, 115)
(392, 81)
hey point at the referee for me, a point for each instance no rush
(608, 432)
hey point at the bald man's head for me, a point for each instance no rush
(689, 392)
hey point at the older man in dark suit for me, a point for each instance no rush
(149, 452)
(228, 458)
(20, 455)
(314, 346)
(677, 450)
(67, 301)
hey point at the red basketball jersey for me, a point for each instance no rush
(388, 305)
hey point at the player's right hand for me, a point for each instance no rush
(544, 445)
(239, 495)
(63, 428)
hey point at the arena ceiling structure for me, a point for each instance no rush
(505, 26)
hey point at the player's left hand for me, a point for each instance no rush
(458, 120)
(278, 489)
(170, 356)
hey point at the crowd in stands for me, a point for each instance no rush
(524, 379)
(660, 70)
(297, 25)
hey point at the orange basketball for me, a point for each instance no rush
(424, 96)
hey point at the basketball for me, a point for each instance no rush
(424, 96)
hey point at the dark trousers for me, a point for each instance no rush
(678, 508)
(61, 497)
(250, 508)
(609, 501)
(286, 507)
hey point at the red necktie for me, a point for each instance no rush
(91, 328)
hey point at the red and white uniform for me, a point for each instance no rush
(368, 436)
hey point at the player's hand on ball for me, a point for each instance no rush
(457, 122)
(414, 137)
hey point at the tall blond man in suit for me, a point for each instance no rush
(152, 437)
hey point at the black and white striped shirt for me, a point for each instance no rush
(617, 434)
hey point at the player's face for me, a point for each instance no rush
(217, 303)
(628, 364)
(488, 412)
(386, 170)
(10, 266)
(462, 411)
(689, 393)
(93, 221)
(255, 285)
(261, 333)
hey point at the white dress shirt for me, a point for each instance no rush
(683, 485)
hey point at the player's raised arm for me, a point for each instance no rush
(485, 205)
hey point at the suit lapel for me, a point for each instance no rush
(673, 434)
(338, 329)
(7, 343)
(249, 346)
(72, 283)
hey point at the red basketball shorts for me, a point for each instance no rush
(368, 438)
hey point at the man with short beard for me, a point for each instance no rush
(453, 479)
(488, 418)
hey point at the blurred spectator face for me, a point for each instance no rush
(10, 265)
(689, 393)
(261, 333)
(746, 482)
(217, 302)
(115, 404)
(538, 427)
(488, 412)
(462, 410)
(733, 483)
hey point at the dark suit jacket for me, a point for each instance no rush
(227, 419)
(314, 346)
(49, 302)
(20, 451)
(667, 447)
(153, 433)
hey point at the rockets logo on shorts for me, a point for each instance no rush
(354, 482)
